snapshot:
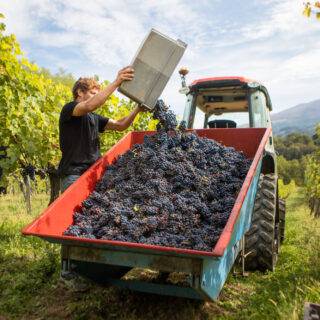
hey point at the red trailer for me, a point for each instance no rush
(106, 261)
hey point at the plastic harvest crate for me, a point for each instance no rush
(207, 270)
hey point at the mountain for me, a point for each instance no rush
(302, 118)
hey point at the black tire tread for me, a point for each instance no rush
(259, 240)
(282, 219)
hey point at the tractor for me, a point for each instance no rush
(236, 102)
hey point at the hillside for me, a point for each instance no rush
(302, 117)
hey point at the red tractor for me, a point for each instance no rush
(226, 102)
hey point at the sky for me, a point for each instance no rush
(267, 40)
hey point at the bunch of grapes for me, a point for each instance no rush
(29, 170)
(175, 189)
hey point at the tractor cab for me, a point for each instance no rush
(225, 102)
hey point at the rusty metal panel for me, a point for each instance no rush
(134, 259)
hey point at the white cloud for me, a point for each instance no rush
(273, 43)
(18, 19)
(104, 28)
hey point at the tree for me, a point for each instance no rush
(312, 8)
(295, 145)
(289, 170)
(293, 150)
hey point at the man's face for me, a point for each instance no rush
(83, 96)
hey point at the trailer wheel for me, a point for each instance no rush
(262, 239)
(282, 219)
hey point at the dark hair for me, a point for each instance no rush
(84, 84)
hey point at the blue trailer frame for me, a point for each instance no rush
(105, 261)
(207, 275)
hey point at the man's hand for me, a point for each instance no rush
(142, 108)
(125, 74)
(124, 123)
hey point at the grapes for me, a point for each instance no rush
(175, 189)
(167, 119)
(29, 170)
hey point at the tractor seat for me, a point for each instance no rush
(222, 124)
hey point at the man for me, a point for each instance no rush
(79, 126)
(79, 140)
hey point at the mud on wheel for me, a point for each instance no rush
(262, 239)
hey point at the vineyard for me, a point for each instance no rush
(170, 203)
(299, 163)
(31, 100)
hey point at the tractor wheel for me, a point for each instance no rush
(262, 239)
(282, 219)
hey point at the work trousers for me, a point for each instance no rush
(67, 181)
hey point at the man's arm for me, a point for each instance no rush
(100, 98)
(124, 123)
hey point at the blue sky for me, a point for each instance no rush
(268, 40)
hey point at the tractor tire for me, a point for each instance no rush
(262, 239)
(282, 219)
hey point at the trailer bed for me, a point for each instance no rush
(208, 270)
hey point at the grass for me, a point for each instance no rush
(29, 272)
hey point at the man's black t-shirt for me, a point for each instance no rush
(79, 140)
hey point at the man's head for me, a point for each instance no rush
(85, 88)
